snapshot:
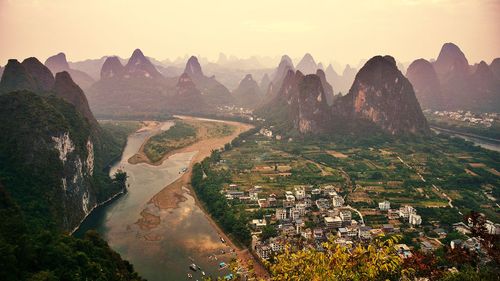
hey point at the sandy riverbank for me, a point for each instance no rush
(173, 194)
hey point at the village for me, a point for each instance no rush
(309, 216)
(301, 201)
(471, 118)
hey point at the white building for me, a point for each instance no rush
(254, 195)
(384, 206)
(281, 214)
(406, 210)
(294, 214)
(415, 219)
(337, 201)
(300, 193)
(333, 222)
(276, 245)
(259, 223)
(492, 228)
(301, 208)
(345, 215)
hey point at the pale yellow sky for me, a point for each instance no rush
(344, 31)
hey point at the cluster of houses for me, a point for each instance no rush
(307, 216)
(406, 213)
(483, 119)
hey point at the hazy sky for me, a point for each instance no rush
(344, 31)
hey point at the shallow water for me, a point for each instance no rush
(184, 234)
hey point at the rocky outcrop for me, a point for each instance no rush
(495, 67)
(248, 92)
(187, 98)
(451, 62)
(112, 68)
(40, 74)
(65, 88)
(301, 103)
(193, 68)
(381, 95)
(425, 84)
(462, 87)
(486, 87)
(213, 92)
(57, 159)
(59, 63)
(16, 77)
(139, 66)
(313, 112)
(278, 76)
(134, 89)
(307, 65)
(327, 88)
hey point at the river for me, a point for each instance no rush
(184, 235)
(482, 142)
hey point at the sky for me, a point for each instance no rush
(331, 30)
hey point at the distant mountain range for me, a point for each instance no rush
(143, 86)
(59, 63)
(451, 83)
(380, 95)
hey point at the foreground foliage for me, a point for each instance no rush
(49, 255)
(375, 261)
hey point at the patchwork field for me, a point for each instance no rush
(441, 176)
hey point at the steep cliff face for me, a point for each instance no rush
(426, 84)
(327, 88)
(299, 105)
(49, 156)
(382, 95)
(313, 113)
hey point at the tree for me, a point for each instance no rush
(375, 261)
(268, 231)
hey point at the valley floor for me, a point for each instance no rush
(173, 194)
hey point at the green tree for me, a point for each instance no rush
(375, 261)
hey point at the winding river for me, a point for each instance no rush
(490, 144)
(184, 235)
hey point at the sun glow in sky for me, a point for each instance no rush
(331, 30)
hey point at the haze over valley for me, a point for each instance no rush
(250, 141)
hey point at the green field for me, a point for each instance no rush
(369, 171)
(181, 134)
